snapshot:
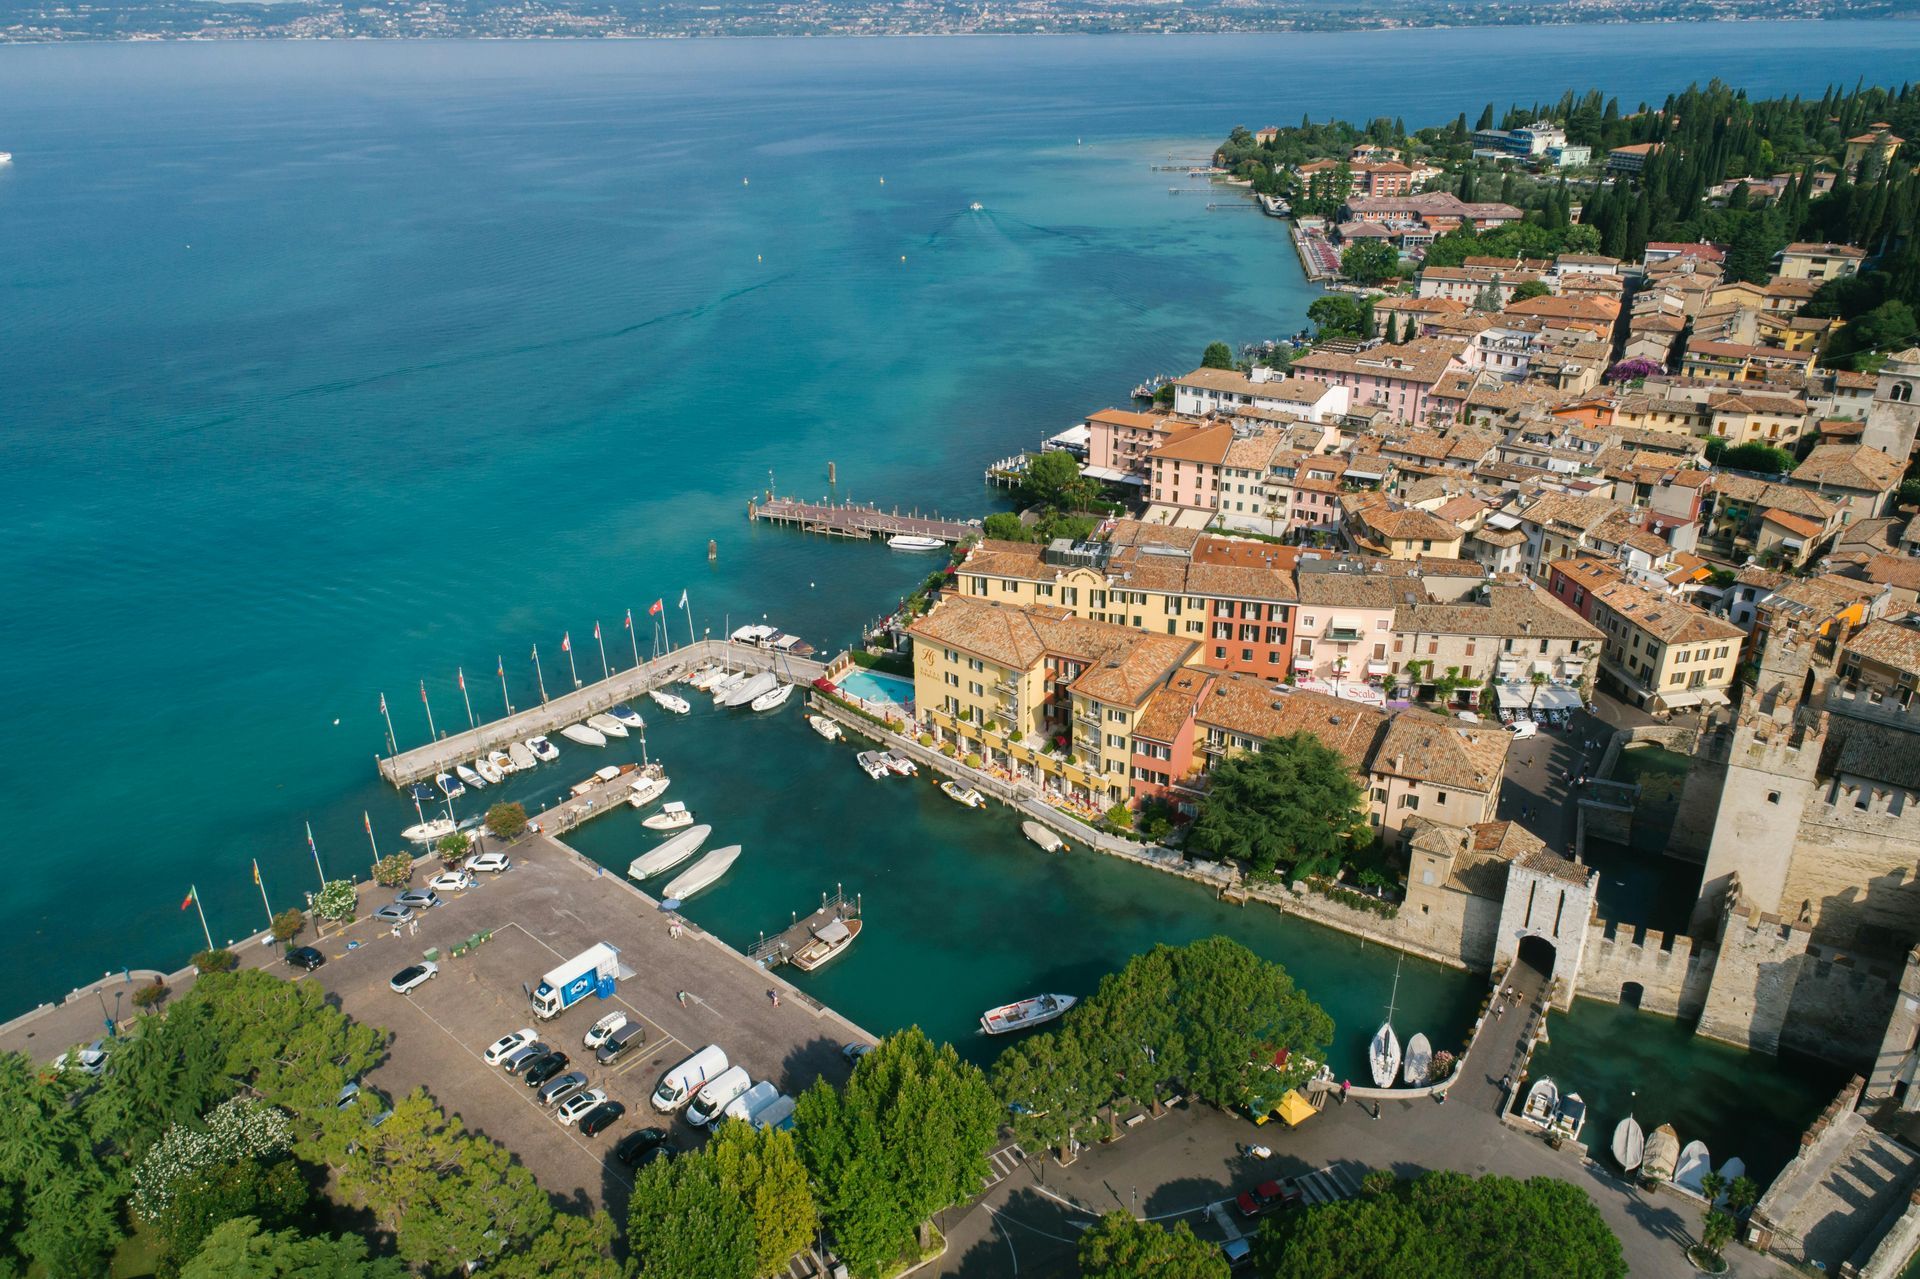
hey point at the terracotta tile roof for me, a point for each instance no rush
(1126, 417)
(1204, 444)
(1558, 308)
(1170, 706)
(1901, 571)
(1122, 664)
(1890, 645)
(1408, 524)
(1668, 620)
(1424, 747)
(1252, 453)
(1422, 361)
(1565, 511)
(1792, 523)
(1349, 590)
(1545, 861)
(1824, 250)
(1508, 611)
(1853, 466)
(1250, 707)
(1711, 252)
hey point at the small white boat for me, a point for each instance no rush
(597, 778)
(901, 763)
(629, 717)
(607, 726)
(703, 872)
(910, 542)
(672, 816)
(1730, 1171)
(1695, 1163)
(874, 764)
(543, 750)
(449, 785)
(827, 728)
(428, 832)
(773, 699)
(1569, 1118)
(728, 680)
(828, 941)
(504, 761)
(583, 735)
(469, 778)
(1419, 1061)
(963, 794)
(703, 679)
(1046, 839)
(489, 771)
(669, 701)
(750, 688)
(1629, 1146)
(646, 790)
(1023, 1013)
(1383, 1055)
(1542, 1100)
(669, 853)
(521, 755)
(1663, 1152)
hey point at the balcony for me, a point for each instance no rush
(1088, 718)
(1344, 634)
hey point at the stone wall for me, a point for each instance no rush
(1840, 1008)
(1672, 973)
(1445, 920)
(1692, 832)
(1855, 875)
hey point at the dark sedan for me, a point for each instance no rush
(538, 1072)
(636, 1146)
(306, 957)
(601, 1117)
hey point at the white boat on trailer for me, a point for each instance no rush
(583, 735)
(607, 725)
(669, 853)
(674, 816)
(1023, 1013)
(750, 688)
(825, 727)
(703, 872)
(773, 699)
(669, 701)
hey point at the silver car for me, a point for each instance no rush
(520, 1058)
(418, 899)
(394, 914)
(557, 1088)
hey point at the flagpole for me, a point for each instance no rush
(566, 646)
(433, 734)
(500, 668)
(462, 675)
(316, 851)
(538, 677)
(262, 886)
(393, 743)
(689, 608)
(371, 841)
(202, 910)
(634, 637)
(605, 671)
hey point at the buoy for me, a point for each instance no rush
(903, 257)
(830, 478)
(746, 182)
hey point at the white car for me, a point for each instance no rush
(603, 1029)
(413, 976)
(451, 881)
(508, 1044)
(579, 1104)
(495, 862)
(1522, 729)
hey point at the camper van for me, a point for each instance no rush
(712, 1099)
(679, 1083)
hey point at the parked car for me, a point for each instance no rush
(636, 1146)
(1522, 729)
(619, 1041)
(852, 1053)
(393, 913)
(377, 1114)
(507, 1044)
(92, 1059)
(598, 1032)
(601, 1118)
(557, 1088)
(451, 881)
(1238, 1252)
(493, 862)
(538, 1072)
(413, 976)
(576, 1107)
(418, 899)
(520, 1058)
(305, 957)
(1266, 1197)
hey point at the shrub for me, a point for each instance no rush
(1015, 735)
(926, 739)
(337, 900)
(1120, 817)
(288, 923)
(393, 870)
(973, 760)
(455, 846)
(216, 961)
(150, 996)
(506, 821)
(949, 749)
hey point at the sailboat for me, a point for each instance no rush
(1383, 1054)
(1419, 1061)
(1629, 1145)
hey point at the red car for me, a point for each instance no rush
(1266, 1197)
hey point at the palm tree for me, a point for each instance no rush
(1539, 681)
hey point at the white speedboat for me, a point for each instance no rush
(704, 678)
(521, 755)
(583, 735)
(504, 761)
(1419, 1061)
(669, 701)
(629, 717)
(670, 853)
(543, 750)
(646, 790)
(1629, 1145)
(1046, 839)
(825, 727)
(773, 699)
(1023, 1013)
(490, 771)
(702, 873)
(1695, 1163)
(902, 763)
(607, 726)
(1542, 1100)
(828, 941)
(427, 832)
(1570, 1118)
(874, 764)
(1383, 1055)
(910, 542)
(748, 689)
(469, 778)
(674, 816)
(963, 794)
(449, 785)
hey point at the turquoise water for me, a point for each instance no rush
(1638, 881)
(875, 687)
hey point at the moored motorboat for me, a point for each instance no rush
(669, 701)
(669, 853)
(607, 725)
(1693, 1166)
(629, 717)
(583, 735)
(1663, 1152)
(1383, 1055)
(900, 762)
(828, 941)
(449, 785)
(773, 699)
(600, 777)
(873, 764)
(1629, 1145)
(674, 816)
(1569, 1118)
(428, 832)
(1542, 1100)
(703, 679)
(647, 789)
(962, 794)
(543, 750)
(1045, 838)
(504, 761)
(469, 778)
(748, 689)
(491, 772)
(1022, 1013)
(703, 872)
(522, 755)
(825, 727)
(912, 542)
(1419, 1061)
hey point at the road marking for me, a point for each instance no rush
(1011, 1251)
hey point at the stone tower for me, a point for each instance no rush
(1544, 917)
(1893, 419)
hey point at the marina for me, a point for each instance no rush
(849, 520)
(802, 934)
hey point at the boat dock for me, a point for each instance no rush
(848, 520)
(771, 952)
(589, 699)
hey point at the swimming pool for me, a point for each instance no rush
(871, 686)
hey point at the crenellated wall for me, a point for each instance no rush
(1673, 974)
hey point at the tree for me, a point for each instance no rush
(1335, 315)
(235, 1130)
(1539, 681)
(1528, 289)
(574, 1246)
(150, 995)
(240, 1247)
(273, 1192)
(762, 1169)
(1003, 526)
(1369, 261)
(455, 846)
(1293, 801)
(288, 923)
(393, 870)
(1755, 456)
(683, 1223)
(169, 1072)
(1218, 355)
(1716, 1227)
(506, 821)
(218, 960)
(1120, 1246)
(58, 1208)
(338, 900)
(1052, 481)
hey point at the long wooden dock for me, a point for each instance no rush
(771, 952)
(848, 520)
(589, 699)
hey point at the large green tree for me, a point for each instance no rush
(1293, 802)
(57, 1204)
(1218, 355)
(1120, 1246)
(684, 1222)
(240, 1249)
(1369, 261)
(762, 1168)
(575, 1246)
(273, 1192)
(1052, 481)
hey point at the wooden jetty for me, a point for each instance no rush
(845, 519)
(771, 952)
(589, 699)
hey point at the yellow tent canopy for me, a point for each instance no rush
(1293, 1108)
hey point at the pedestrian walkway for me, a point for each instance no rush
(1004, 1162)
(1327, 1185)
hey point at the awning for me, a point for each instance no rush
(1792, 543)
(1547, 697)
(1506, 664)
(1694, 697)
(1378, 667)
(1107, 475)
(1542, 666)
(1573, 665)
(1294, 1108)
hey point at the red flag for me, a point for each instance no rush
(500, 667)
(383, 703)
(596, 628)
(658, 605)
(189, 900)
(566, 642)
(368, 822)
(629, 619)
(463, 680)
(423, 692)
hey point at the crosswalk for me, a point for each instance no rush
(1004, 1162)
(1327, 1185)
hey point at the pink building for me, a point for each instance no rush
(1343, 626)
(1185, 471)
(1119, 440)
(1398, 378)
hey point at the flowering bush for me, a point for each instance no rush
(236, 1129)
(1633, 370)
(338, 900)
(393, 870)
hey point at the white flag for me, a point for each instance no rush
(683, 599)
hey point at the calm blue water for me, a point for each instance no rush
(332, 369)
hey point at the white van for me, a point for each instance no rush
(743, 1106)
(1522, 729)
(777, 1113)
(679, 1083)
(712, 1099)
